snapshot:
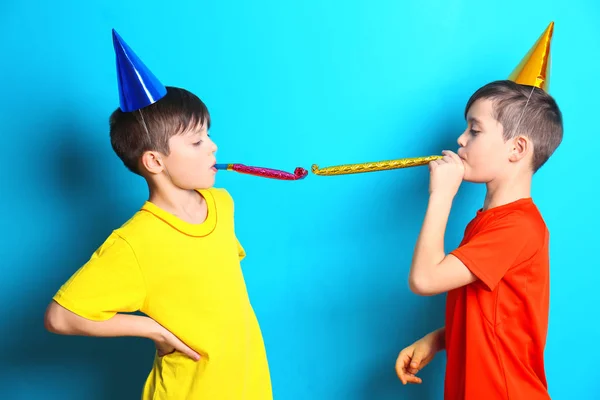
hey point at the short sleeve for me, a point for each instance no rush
(109, 283)
(241, 251)
(498, 246)
(231, 205)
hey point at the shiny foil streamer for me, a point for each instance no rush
(299, 172)
(373, 166)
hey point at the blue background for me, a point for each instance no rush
(288, 84)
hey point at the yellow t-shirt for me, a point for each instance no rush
(187, 277)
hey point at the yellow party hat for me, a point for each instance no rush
(534, 68)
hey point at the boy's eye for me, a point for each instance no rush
(474, 132)
(198, 143)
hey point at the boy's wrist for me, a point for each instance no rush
(437, 339)
(153, 330)
(440, 198)
(440, 339)
(439, 205)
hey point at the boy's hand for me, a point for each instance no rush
(168, 343)
(446, 174)
(415, 357)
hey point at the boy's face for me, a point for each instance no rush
(484, 151)
(191, 161)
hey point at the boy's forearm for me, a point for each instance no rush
(439, 338)
(62, 321)
(429, 250)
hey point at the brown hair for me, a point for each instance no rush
(525, 110)
(177, 112)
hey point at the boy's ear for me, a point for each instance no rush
(520, 148)
(152, 162)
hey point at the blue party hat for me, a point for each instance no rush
(138, 87)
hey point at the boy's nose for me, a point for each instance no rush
(461, 140)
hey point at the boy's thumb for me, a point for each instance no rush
(416, 360)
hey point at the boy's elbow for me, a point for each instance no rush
(420, 285)
(55, 319)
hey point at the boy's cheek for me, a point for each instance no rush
(472, 175)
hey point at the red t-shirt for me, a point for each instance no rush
(496, 326)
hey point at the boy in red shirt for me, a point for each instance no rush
(498, 278)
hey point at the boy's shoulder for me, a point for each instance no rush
(529, 217)
(523, 219)
(224, 201)
(141, 223)
(218, 193)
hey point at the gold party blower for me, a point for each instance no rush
(533, 70)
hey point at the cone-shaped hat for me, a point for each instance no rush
(138, 87)
(534, 68)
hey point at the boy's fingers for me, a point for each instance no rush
(450, 156)
(416, 361)
(190, 353)
(400, 371)
(194, 356)
(405, 370)
(402, 378)
(401, 364)
(414, 379)
(455, 157)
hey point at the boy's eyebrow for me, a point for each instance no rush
(194, 132)
(474, 120)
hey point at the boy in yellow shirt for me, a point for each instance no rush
(177, 260)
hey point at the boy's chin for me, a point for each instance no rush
(206, 184)
(474, 179)
(198, 185)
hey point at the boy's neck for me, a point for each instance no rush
(504, 192)
(187, 205)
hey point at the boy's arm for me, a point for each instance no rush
(62, 321)
(432, 271)
(440, 338)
